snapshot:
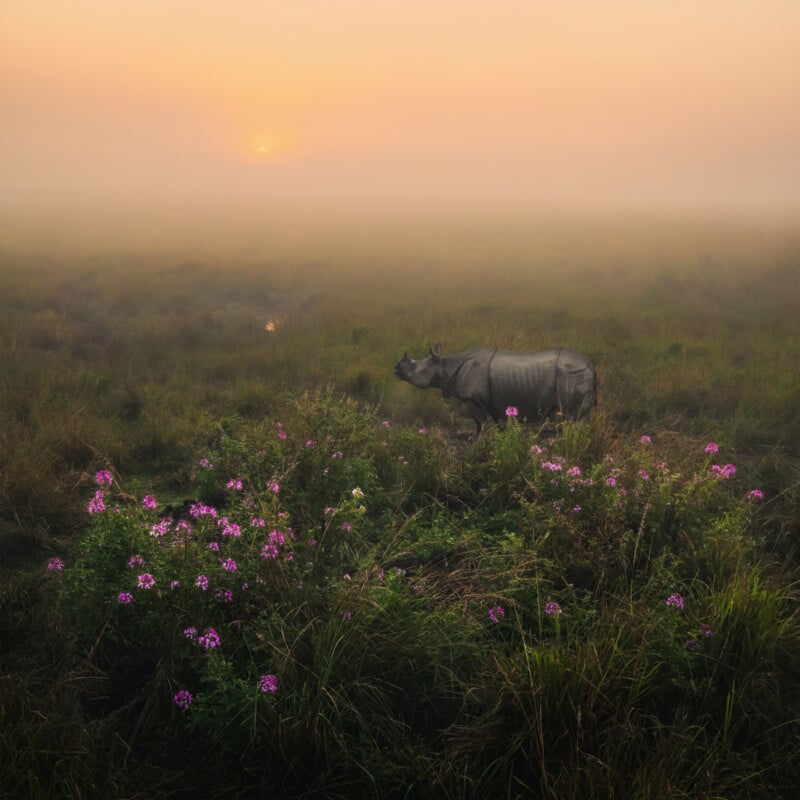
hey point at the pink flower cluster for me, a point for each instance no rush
(268, 683)
(276, 540)
(675, 601)
(726, 472)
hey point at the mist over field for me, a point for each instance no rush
(240, 558)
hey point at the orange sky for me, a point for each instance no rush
(389, 106)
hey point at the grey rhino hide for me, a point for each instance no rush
(489, 380)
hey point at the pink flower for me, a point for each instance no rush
(235, 484)
(258, 522)
(206, 464)
(282, 435)
(124, 598)
(103, 478)
(274, 487)
(645, 439)
(423, 431)
(347, 527)
(675, 601)
(201, 582)
(229, 565)
(268, 683)
(135, 561)
(183, 699)
(512, 411)
(148, 501)
(55, 565)
(146, 581)
(201, 510)
(755, 494)
(160, 528)
(712, 447)
(552, 608)
(496, 613)
(190, 633)
(210, 639)
(96, 504)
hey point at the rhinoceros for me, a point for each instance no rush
(489, 380)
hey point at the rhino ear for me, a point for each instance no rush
(437, 351)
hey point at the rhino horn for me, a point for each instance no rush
(436, 352)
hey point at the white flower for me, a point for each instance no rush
(358, 493)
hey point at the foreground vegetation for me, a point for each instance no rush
(240, 563)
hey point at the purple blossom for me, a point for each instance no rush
(705, 629)
(692, 645)
(282, 435)
(206, 464)
(174, 584)
(423, 431)
(55, 565)
(644, 475)
(96, 504)
(496, 613)
(190, 633)
(347, 527)
(160, 528)
(712, 447)
(103, 478)
(148, 501)
(552, 608)
(726, 472)
(258, 522)
(675, 601)
(274, 487)
(574, 472)
(645, 439)
(183, 699)
(210, 639)
(214, 547)
(146, 581)
(309, 442)
(229, 565)
(202, 582)
(124, 598)
(268, 683)
(135, 561)
(224, 594)
(512, 411)
(230, 528)
(552, 466)
(235, 484)
(276, 540)
(201, 510)
(755, 494)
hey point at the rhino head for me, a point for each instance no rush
(425, 373)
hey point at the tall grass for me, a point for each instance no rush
(441, 617)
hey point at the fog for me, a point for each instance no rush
(210, 125)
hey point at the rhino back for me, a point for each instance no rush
(524, 380)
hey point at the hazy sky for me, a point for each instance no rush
(390, 106)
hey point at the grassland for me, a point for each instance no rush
(565, 610)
